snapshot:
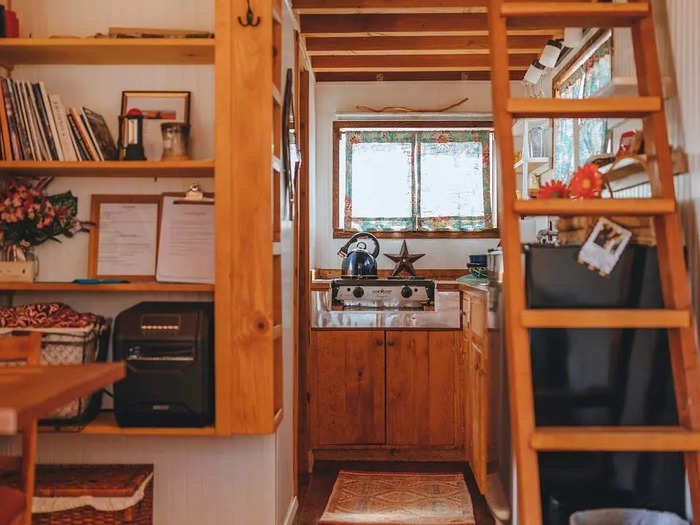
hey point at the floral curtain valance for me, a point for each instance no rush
(417, 180)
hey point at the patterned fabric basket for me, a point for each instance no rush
(64, 345)
(93, 494)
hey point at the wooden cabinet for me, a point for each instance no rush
(475, 343)
(422, 369)
(347, 387)
(387, 393)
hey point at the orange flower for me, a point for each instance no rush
(554, 189)
(586, 182)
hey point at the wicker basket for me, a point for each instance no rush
(101, 482)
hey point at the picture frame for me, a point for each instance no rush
(136, 249)
(157, 107)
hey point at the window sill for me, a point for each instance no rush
(484, 234)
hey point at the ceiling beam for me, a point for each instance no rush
(339, 7)
(410, 76)
(427, 45)
(471, 24)
(383, 63)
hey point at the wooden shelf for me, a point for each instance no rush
(594, 207)
(105, 424)
(150, 169)
(584, 108)
(125, 287)
(107, 51)
(566, 14)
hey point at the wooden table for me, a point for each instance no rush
(32, 392)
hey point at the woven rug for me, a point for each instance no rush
(398, 498)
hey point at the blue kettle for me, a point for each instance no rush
(358, 261)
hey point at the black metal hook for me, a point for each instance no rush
(249, 17)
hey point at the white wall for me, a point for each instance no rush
(333, 98)
(241, 480)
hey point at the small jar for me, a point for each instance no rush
(176, 137)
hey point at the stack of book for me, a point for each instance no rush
(35, 125)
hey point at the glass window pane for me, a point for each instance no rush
(563, 148)
(591, 138)
(381, 179)
(452, 183)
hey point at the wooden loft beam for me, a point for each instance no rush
(381, 63)
(435, 24)
(433, 45)
(320, 7)
(410, 76)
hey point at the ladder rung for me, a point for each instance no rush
(567, 14)
(595, 207)
(620, 438)
(605, 318)
(633, 107)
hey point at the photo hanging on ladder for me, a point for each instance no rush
(604, 246)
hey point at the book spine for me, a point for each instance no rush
(84, 155)
(78, 156)
(96, 146)
(11, 120)
(5, 128)
(83, 135)
(3, 30)
(59, 113)
(52, 121)
(21, 122)
(44, 117)
(41, 149)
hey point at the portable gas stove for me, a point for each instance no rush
(365, 293)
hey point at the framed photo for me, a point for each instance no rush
(156, 107)
(124, 240)
(604, 246)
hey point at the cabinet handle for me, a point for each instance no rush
(380, 342)
(390, 343)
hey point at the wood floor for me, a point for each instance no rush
(316, 489)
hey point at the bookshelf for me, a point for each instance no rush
(104, 51)
(132, 287)
(247, 176)
(118, 169)
(106, 425)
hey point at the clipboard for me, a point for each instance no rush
(121, 248)
(186, 243)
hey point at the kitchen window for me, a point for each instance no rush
(419, 180)
(575, 140)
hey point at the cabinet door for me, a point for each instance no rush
(478, 427)
(421, 371)
(347, 388)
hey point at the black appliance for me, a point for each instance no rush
(169, 351)
(601, 377)
(358, 261)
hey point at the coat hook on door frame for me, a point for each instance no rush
(249, 17)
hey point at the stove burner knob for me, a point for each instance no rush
(406, 292)
(358, 292)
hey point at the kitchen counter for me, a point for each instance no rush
(446, 315)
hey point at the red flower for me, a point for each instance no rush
(586, 182)
(555, 189)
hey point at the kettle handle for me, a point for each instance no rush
(343, 252)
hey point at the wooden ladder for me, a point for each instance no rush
(677, 318)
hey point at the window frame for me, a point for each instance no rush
(341, 233)
(595, 42)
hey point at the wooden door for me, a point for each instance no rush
(347, 387)
(478, 388)
(421, 373)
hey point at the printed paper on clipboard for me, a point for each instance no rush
(186, 247)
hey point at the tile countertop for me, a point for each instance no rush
(446, 315)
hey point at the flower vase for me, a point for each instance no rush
(18, 264)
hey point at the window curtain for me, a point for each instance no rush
(422, 154)
(585, 82)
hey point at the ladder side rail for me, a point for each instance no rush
(672, 268)
(517, 337)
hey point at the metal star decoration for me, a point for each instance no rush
(404, 260)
